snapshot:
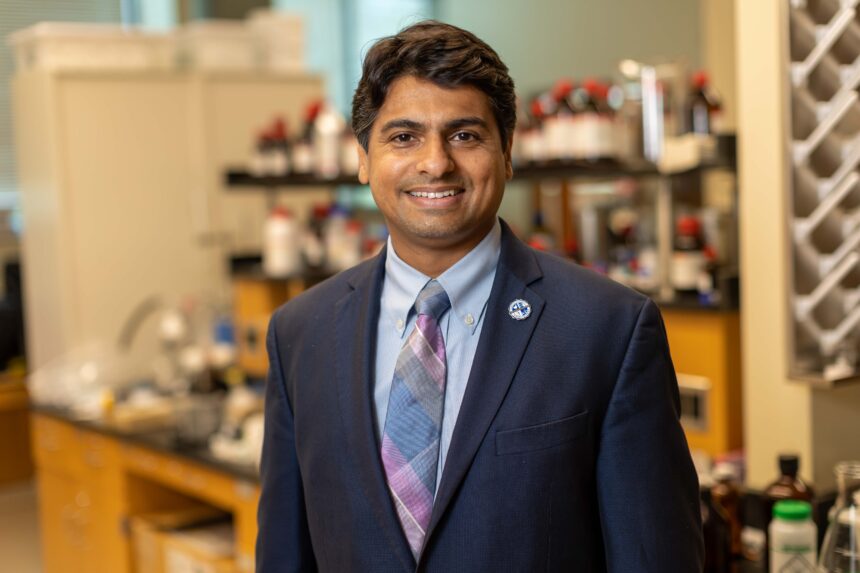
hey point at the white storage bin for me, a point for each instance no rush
(282, 38)
(220, 45)
(74, 46)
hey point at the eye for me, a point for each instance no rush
(403, 138)
(465, 136)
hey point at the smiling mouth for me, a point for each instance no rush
(435, 194)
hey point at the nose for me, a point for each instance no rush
(435, 157)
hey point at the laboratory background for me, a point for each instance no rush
(172, 171)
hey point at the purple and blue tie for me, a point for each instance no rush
(413, 423)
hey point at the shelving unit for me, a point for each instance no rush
(241, 180)
(823, 74)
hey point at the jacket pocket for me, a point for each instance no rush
(541, 436)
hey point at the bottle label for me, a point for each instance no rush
(792, 559)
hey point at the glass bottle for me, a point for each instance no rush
(841, 550)
(688, 255)
(703, 106)
(726, 498)
(789, 486)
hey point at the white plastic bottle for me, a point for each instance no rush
(793, 537)
(282, 249)
(327, 132)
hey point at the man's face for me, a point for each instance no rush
(435, 165)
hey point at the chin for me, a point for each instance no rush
(450, 237)
(437, 232)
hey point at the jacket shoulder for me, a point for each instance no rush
(319, 301)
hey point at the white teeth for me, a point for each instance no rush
(433, 195)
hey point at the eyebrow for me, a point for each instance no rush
(416, 126)
(401, 124)
(467, 122)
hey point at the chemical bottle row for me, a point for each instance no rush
(591, 120)
(620, 242)
(328, 242)
(324, 146)
(782, 535)
(595, 120)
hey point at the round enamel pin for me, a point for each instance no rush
(519, 309)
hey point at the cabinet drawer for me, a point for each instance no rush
(97, 452)
(55, 446)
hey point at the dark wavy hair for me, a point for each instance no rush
(441, 53)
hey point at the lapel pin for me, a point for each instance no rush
(519, 309)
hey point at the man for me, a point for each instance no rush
(462, 402)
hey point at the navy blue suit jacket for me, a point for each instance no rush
(567, 454)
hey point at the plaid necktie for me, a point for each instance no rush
(413, 423)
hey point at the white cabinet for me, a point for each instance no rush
(121, 192)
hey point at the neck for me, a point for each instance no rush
(433, 260)
(429, 261)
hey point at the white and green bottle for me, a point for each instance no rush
(793, 538)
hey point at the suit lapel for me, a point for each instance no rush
(500, 350)
(357, 315)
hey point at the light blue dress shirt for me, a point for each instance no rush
(468, 283)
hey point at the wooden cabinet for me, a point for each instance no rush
(81, 507)
(61, 539)
(705, 348)
(90, 484)
(17, 463)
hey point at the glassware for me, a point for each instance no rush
(841, 550)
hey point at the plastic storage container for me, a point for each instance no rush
(74, 46)
(220, 45)
(281, 37)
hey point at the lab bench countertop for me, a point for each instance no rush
(163, 440)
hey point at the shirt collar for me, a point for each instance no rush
(468, 283)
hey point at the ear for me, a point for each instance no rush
(509, 164)
(363, 167)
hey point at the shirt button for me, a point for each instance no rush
(399, 324)
(469, 320)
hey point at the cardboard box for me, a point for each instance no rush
(209, 549)
(148, 533)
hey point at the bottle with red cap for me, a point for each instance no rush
(595, 128)
(559, 124)
(312, 245)
(704, 108)
(303, 146)
(259, 164)
(271, 151)
(688, 256)
(533, 148)
(279, 148)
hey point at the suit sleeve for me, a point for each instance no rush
(283, 538)
(647, 487)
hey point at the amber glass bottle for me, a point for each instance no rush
(789, 486)
(726, 497)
